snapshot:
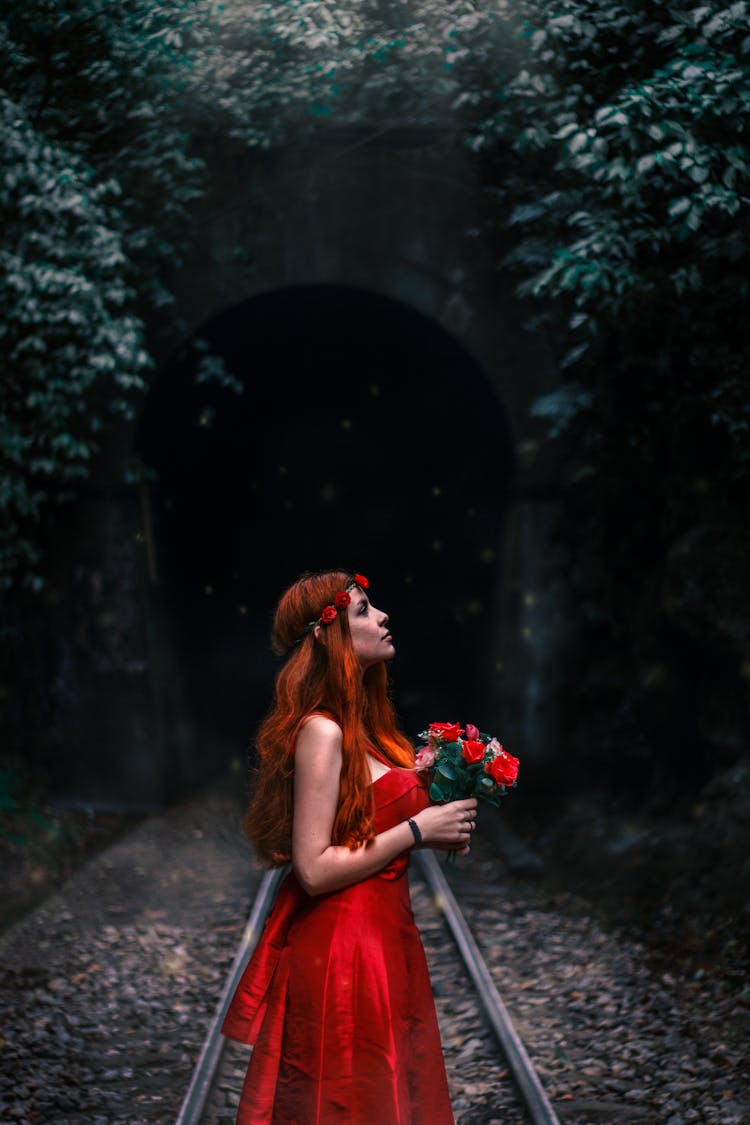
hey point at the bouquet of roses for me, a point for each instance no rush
(475, 765)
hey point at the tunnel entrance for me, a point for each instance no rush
(356, 433)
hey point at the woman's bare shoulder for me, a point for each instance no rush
(317, 751)
(319, 728)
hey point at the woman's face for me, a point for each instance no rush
(369, 629)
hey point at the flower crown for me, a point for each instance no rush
(340, 601)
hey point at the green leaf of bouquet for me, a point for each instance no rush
(447, 770)
(436, 792)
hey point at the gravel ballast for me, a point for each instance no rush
(108, 987)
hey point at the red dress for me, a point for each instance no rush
(337, 1000)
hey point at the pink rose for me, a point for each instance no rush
(472, 732)
(425, 759)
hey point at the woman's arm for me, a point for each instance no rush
(321, 866)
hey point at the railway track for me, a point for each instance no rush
(108, 988)
(511, 1087)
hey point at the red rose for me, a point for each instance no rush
(342, 599)
(503, 769)
(472, 750)
(328, 615)
(448, 732)
(361, 581)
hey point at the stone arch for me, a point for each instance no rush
(397, 211)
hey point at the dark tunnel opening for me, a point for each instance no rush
(360, 434)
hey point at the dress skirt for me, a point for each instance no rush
(338, 1002)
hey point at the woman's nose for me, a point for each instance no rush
(383, 618)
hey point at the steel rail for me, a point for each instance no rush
(529, 1086)
(194, 1103)
(520, 1064)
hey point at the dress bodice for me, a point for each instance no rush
(397, 795)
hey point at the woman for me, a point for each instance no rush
(336, 997)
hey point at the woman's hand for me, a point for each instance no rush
(448, 827)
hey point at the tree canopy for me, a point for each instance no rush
(94, 194)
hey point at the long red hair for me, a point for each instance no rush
(320, 674)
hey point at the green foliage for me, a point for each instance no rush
(280, 69)
(65, 327)
(637, 119)
(641, 113)
(95, 185)
(626, 194)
